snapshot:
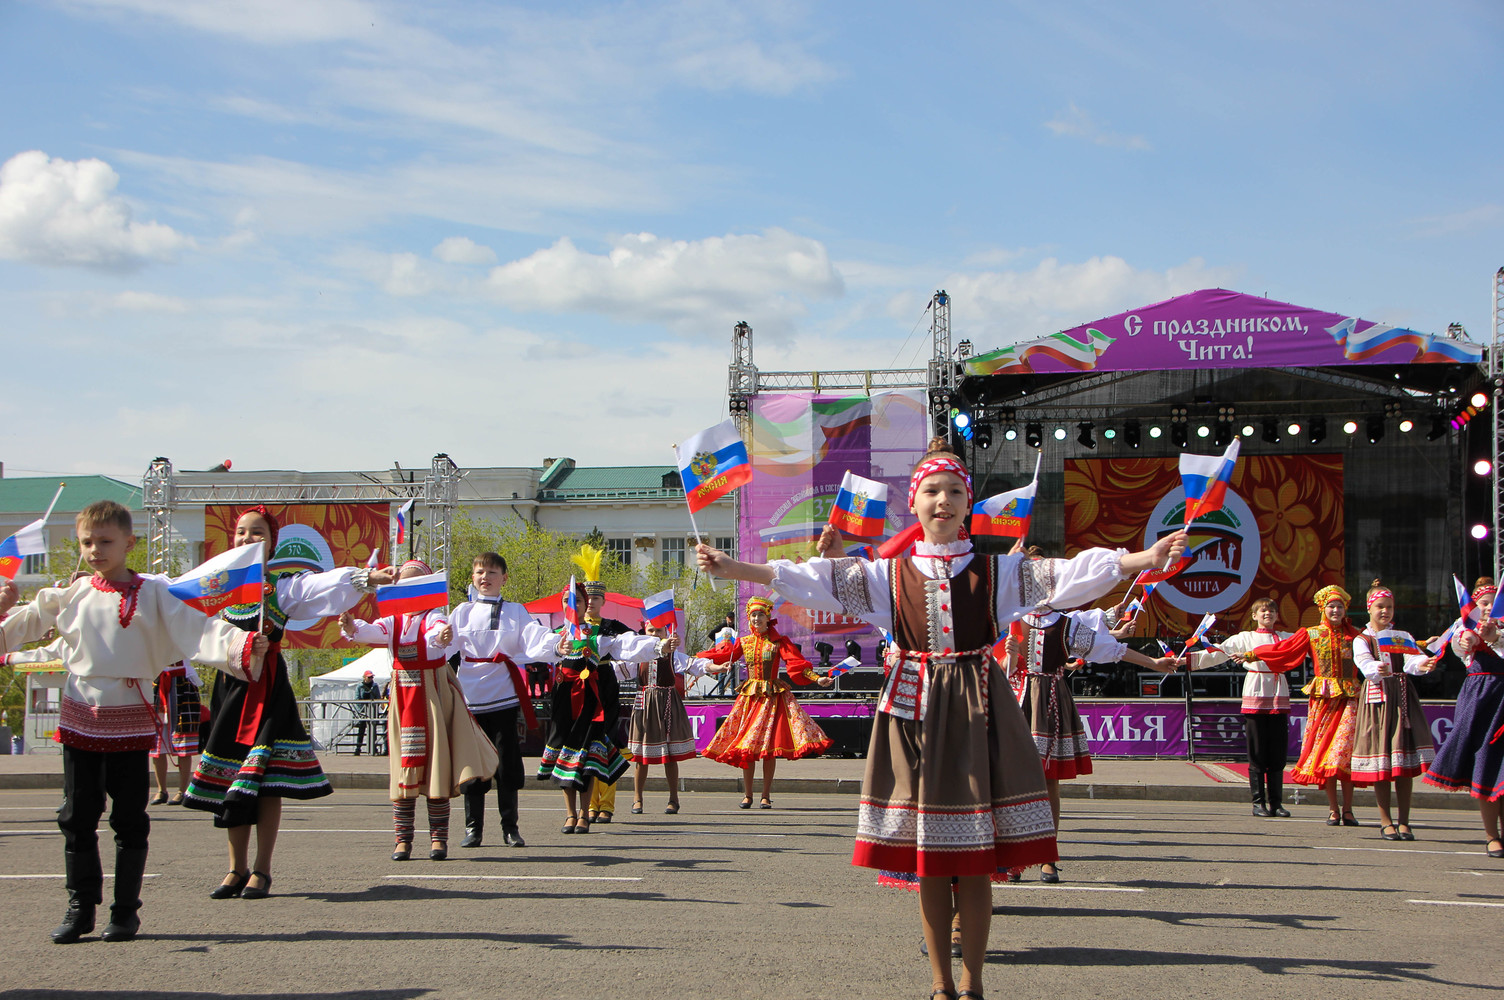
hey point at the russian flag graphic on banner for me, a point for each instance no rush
(402, 515)
(232, 577)
(1397, 642)
(29, 541)
(658, 610)
(416, 593)
(1206, 478)
(712, 463)
(1007, 514)
(861, 508)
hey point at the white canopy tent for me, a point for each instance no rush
(327, 721)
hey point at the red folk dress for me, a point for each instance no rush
(1327, 750)
(765, 721)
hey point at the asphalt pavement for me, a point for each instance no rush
(1161, 897)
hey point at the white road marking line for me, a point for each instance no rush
(294, 829)
(523, 878)
(1382, 850)
(1449, 902)
(1010, 886)
(107, 875)
(29, 833)
(701, 833)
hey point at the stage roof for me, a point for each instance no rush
(1217, 328)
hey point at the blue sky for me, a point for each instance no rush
(330, 235)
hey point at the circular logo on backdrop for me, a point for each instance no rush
(300, 549)
(1224, 549)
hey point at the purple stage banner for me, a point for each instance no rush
(1215, 328)
(801, 446)
(1146, 727)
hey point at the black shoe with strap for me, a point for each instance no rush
(229, 890)
(258, 891)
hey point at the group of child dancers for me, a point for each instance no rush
(961, 785)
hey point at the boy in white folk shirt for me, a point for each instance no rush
(116, 631)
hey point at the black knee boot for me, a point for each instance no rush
(1276, 779)
(130, 869)
(506, 801)
(1256, 789)
(475, 817)
(84, 880)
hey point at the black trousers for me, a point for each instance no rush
(1268, 751)
(500, 728)
(89, 776)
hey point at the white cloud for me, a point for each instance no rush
(148, 302)
(65, 212)
(690, 286)
(1076, 123)
(1004, 307)
(463, 250)
(266, 21)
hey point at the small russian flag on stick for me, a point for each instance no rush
(402, 515)
(658, 610)
(232, 577)
(416, 593)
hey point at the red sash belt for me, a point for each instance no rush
(577, 692)
(253, 708)
(515, 673)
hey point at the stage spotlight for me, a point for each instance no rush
(1223, 437)
(1248, 430)
(1033, 435)
(1375, 429)
(1293, 430)
(1011, 434)
(1109, 433)
(1480, 400)
(824, 649)
(1271, 431)
(962, 420)
(984, 437)
(1154, 431)
(1438, 429)
(1085, 436)
(854, 649)
(1483, 467)
(1406, 426)
(1350, 427)
(1479, 531)
(1131, 433)
(1178, 435)
(1203, 431)
(1317, 432)
(1059, 433)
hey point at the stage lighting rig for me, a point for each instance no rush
(1271, 431)
(1316, 432)
(1375, 429)
(1131, 432)
(1085, 436)
(1033, 435)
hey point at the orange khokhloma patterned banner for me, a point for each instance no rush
(1279, 535)
(314, 537)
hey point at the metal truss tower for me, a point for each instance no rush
(162, 493)
(1496, 388)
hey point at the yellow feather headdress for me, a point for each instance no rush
(588, 559)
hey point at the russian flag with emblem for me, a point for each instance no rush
(658, 610)
(712, 463)
(29, 541)
(1397, 642)
(416, 593)
(1007, 514)
(232, 577)
(861, 508)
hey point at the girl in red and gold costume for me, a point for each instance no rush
(954, 789)
(1326, 754)
(765, 723)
